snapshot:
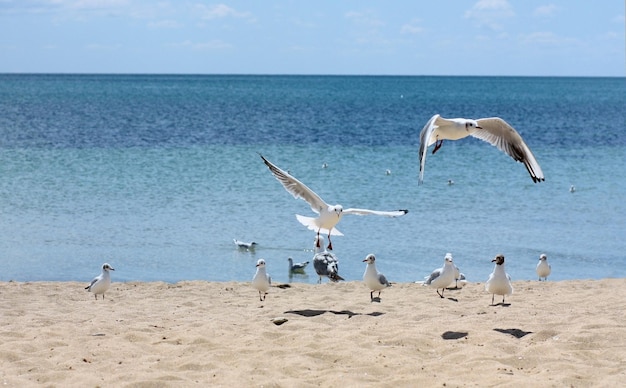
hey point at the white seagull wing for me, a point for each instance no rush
(434, 275)
(93, 282)
(296, 188)
(366, 212)
(499, 133)
(425, 141)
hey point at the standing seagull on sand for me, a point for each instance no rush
(493, 130)
(325, 263)
(442, 277)
(499, 282)
(373, 279)
(329, 215)
(261, 280)
(101, 283)
(543, 268)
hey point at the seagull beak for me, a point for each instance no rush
(364, 260)
(477, 127)
(494, 260)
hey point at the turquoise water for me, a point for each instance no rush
(157, 174)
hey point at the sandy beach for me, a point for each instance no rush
(566, 333)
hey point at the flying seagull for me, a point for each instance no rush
(493, 130)
(329, 215)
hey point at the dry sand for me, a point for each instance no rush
(567, 333)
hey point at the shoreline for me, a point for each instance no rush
(560, 333)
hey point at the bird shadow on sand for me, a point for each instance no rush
(454, 335)
(501, 304)
(314, 313)
(517, 333)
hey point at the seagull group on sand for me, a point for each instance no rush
(493, 130)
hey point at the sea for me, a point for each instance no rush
(157, 174)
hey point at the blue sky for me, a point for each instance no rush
(454, 37)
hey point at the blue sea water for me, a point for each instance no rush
(156, 174)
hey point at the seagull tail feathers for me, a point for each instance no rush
(309, 222)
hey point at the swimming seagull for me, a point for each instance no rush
(101, 283)
(493, 130)
(329, 215)
(442, 277)
(499, 282)
(261, 280)
(373, 279)
(297, 267)
(543, 268)
(325, 263)
(245, 245)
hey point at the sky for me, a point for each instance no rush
(360, 37)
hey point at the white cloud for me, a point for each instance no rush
(103, 47)
(366, 18)
(547, 38)
(490, 13)
(215, 44)
(412, 28)
(221, 11)
(545, 10)
(618, 19)
(164, 24)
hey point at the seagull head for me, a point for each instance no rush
(448, 258)
(499, 260)
(260, 263)
(107, 267)
(338, 209)
(471, 124)
(543, 257)
(370, 259)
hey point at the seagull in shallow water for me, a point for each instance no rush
(373, 279)
(245, 245)
(499, 282)
(101, 283)
(261, 280)
(543, 268)
(493, 130)
(442, 277)
(325, 262)
(297, 267)
(329, 215)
